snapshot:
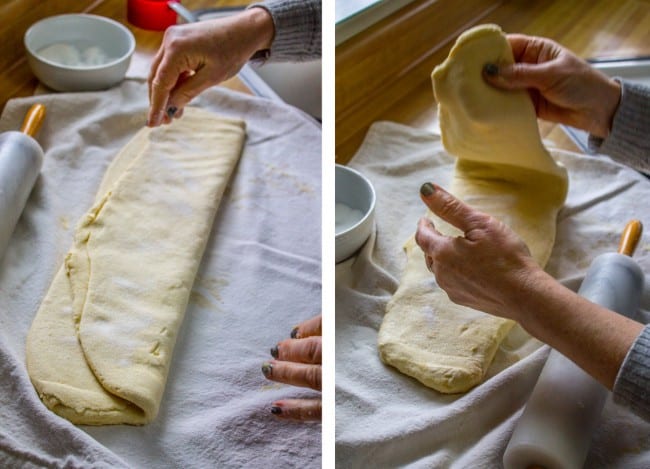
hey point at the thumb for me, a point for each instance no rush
(450, 209)
(516, 76)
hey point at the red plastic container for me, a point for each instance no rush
(151, 14)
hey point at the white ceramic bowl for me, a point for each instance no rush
(355, 191)
(79, 52)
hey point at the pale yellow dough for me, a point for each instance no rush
(502, 169)
(100, 346)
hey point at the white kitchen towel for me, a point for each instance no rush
(260, 276)
(387, 419)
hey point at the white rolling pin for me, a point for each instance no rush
(564, 408)
(21, 158)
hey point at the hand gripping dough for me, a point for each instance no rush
(99, 349)
(502, 169)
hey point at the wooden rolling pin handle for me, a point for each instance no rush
(630, 237)
(33, 120)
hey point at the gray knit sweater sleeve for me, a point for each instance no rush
(632, 385)
(298, 35)
(629, 140)
(629, 143)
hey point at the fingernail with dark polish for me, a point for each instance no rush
(267, 369)
(276, 410)
(294, 333)
(171, 110)
(491, 70)
(274, 352)
(427, 189)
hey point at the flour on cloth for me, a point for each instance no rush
(101, 344)
(259, 276)
(387, 419)
(502, 169)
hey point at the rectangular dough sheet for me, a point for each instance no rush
(100, 346)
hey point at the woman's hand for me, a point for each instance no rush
(195, 56)
(298, 362)
(490, 269)
(563, 87)
(486, 268)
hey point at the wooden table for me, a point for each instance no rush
(16, 78)
(591, 28)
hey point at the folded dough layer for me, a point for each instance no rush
(502, 169)
(100, 346)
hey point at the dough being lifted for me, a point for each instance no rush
(502, 169)
(99, 349)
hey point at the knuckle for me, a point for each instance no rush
(160, 81)
(449, 206)
(184, 96)
(495, 229)
(314, 377)
(483, 220)
(172, 34)
(420, 239)
(156, 82)
(313, 352)
(482, 224)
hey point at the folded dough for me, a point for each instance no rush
(502, 169)
(100, 346)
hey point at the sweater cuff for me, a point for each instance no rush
(297, 25)
(628, 141)
(633, 381)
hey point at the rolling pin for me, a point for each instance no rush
(21, 158)
(555, 429)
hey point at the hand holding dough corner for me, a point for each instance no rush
(563, 87)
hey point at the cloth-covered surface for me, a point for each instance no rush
(386, 419)
(259, 277)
